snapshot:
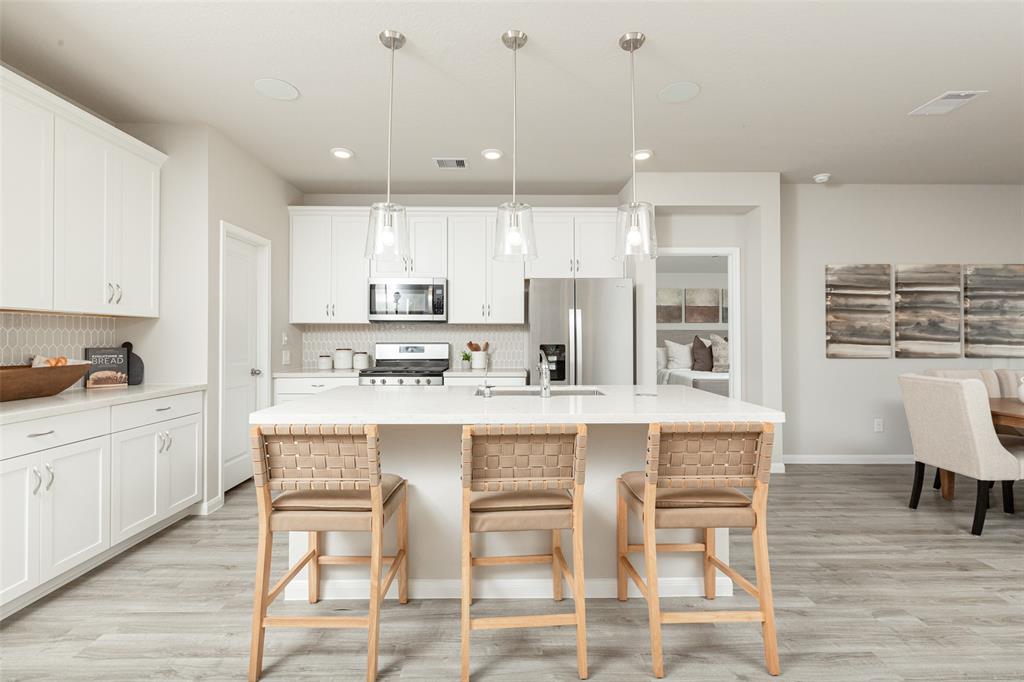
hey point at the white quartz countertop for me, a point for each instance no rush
(78, 399)
(515, 372)
(459, 405)
(318, 374)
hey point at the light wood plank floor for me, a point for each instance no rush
(865, 589)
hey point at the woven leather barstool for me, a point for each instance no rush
(690, 481)
(329, 479)
(523, 477)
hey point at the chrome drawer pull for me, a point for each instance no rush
(317, 385)
(163, 409)
(37, 435)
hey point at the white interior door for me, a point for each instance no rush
(241, 367)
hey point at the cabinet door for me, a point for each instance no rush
(181, 459)
(468, 261)
(505, 287)
(555, 256)
(26, 212)
(138, 259)
(74, 521)
(429, 238)
(595, 246)
(350, 270)
(20, 485)
(85, 220)
(134, 498)
(311, 257)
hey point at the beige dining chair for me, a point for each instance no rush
(328, 478)
(951, 428)
(525, 477)
(691, 480)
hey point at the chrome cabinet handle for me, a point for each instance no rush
(483, 308)
(110, 292)
(332, 310)
(43, 433)
(39, 480)
(160, 437)
(119, 293)
(570, 265)
(49, 470)
(255, 372)
(170, 440)
(327, 310)
(577, 265)
(163, 409)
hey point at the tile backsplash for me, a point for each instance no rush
(23, 335)
(508, 341)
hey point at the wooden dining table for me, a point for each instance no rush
(1005, 412)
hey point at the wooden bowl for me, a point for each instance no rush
(18, 382)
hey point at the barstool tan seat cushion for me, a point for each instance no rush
(307, 510)
(520, 510)
(689, 507)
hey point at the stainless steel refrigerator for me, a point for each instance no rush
(585, 329)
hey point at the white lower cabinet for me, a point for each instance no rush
(20, 483)
(182, 459)
(287, 389)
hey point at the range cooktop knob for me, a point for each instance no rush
(428, 382)
(383, 381)
(418, 381)
(373, 381)
(401, 381)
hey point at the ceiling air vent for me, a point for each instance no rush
(450, 163)
(946, 102)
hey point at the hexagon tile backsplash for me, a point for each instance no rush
(508, 341)
(23, 335)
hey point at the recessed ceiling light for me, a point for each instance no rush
(643, 154)
(343, 152)
(492, 154)
(821, 178)
(683, 91)
(275, 88)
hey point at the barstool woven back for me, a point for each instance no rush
(510, 458)
(316, 457)
(709, 454)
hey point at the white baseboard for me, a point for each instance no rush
(207, 508)
(527, 588)
(778, 467)
(847, 459)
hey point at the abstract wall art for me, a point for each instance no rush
(928, 311)
(994, 311)
(858, 311)
(669, 305)
(702, 305)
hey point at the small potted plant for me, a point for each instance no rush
(465, 359)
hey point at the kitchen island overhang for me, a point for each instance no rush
(420, 440)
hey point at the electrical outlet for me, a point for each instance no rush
(286, 357)
(879, 425)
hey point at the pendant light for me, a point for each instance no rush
(513, 231)
(388, 236)
(634, 227)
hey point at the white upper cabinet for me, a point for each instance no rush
(328, 269)
(481, 289)
(428, 250)
(595, 245)
(577, 243)
(81, 209)
(555, 255)
(26, 211)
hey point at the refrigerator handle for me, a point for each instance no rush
(579, 346)
(571, 360)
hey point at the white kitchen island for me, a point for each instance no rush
(420, 440)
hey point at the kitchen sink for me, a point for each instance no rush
(534, 391)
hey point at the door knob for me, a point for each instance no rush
(255, 372)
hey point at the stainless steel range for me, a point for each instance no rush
(407, 364)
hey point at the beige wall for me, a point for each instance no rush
(831, 404)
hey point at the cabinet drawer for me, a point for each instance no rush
(144, 412)
(39, 434)
(312, 385)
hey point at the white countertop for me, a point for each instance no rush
(514, 372)
(318, 374)
(459, 405)
(78, 399)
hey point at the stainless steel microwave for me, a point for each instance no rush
(408, 299)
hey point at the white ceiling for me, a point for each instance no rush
(795, 87)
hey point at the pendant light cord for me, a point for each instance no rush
(391, 101)
(632, 109)
(515, 94)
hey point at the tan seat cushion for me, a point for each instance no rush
(342, 510)
(334, 500)
(520, 510)
(686, 497)
(724, 510)
(520, 499)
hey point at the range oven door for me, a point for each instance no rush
(408, 300)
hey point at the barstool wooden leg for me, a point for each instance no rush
(764, 580)
(259, 606)
(376, 553)
(467, 582)
(621, 540)
(579, 586)
(651, 564)
(556, 569)
(709, 568)
(314, 567)
(403, 546)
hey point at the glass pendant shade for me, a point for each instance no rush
(388, 236)
(635, 231)
(513, 233)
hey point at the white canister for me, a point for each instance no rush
(479, 359)
(342, 358)
(360, 360)
(323, 361)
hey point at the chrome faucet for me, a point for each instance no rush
(544, 369)
(484, 389)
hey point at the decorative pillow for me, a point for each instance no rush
(662, 358)
(679, 355)
(702, 359)
(719, 354)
